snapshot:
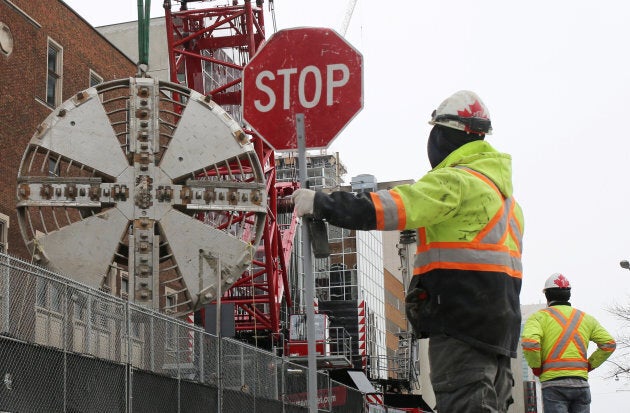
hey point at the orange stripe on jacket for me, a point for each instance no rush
(400, 206)
(378, 209)
(468, 266)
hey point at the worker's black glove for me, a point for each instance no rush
(416, 308)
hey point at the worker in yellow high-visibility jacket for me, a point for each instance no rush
(464, 295)
(555, 343)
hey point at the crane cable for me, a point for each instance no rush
(144, 15)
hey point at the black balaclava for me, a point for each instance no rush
(558, 296)
(442, 141)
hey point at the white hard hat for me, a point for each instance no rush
(557, 280)
(464, 111)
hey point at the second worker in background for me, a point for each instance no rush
(467, 271)
(555, 344)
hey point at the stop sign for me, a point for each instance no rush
(312, 71)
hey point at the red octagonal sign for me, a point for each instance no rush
(312, 71)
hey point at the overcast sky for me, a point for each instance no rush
(555, 76)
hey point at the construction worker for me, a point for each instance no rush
(555, 341)
(467, 271)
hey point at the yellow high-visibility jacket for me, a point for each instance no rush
(468, 260)
(556, 339)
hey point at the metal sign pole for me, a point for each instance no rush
(308, 274)
(218, 331)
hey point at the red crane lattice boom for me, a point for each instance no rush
(208, 49)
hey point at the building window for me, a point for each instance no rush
(172, 330)
(49, 295)
(124, 286)
(55, 66)
(95, 79)
(4, 233)
(79, 305)
(170, 306)
(53, 166)
(100, 315)
(6, 39)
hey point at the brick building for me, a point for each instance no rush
(47, 54)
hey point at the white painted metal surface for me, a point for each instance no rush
(147, 177)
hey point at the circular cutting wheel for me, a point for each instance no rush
(148, 180)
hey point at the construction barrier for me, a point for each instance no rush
(65, 347)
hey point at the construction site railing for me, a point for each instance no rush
(65, 347)
(337, 344)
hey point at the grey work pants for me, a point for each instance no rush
(468, 380)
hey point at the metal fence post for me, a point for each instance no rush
(88, 323)
(283, 388)
(5, 295)
(218, 331)
(219, 379)
(64, 335)
(179, 388)
(330, 395)
(152, 344)
(200, 342)
(129, 359)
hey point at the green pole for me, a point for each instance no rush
(144, 13)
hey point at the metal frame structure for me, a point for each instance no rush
(205, 45)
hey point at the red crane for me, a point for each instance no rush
(208, 49)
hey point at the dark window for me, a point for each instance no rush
(95, 79)
(53, 83)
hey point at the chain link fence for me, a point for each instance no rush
(65, 347)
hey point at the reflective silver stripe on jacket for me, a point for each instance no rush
(468, 256)
(516, 230)
(472, 255)
(390, 210)
(565, 365)
(496, 233)
(528, 345)
(570, 333)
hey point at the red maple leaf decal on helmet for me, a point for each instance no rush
(474, 111)
(562, 282)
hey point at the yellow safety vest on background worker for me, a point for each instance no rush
(556, 339)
